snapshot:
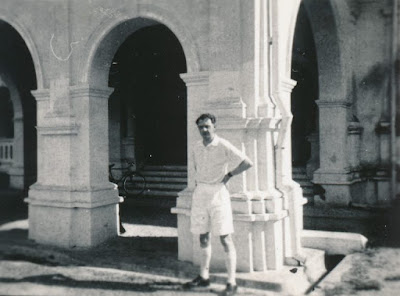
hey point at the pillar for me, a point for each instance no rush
(114, 129)
(16, 172)
(238, 91)
(197, 93)
(333, 173)
(72, 204)
(313, 162)
(128, 142)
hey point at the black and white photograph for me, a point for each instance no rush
(199, 147)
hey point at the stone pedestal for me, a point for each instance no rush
(72, 218)
(258, 239)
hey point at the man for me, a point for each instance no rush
(211, 206)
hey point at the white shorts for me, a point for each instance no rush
(211, 210)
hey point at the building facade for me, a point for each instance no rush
(88, 83)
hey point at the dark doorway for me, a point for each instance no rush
(17, 66)
(305, 72)
(145, 75)
(6, 114)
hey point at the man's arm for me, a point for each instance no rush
(192, 159)
(243, 166)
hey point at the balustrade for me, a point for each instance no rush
(6, 153)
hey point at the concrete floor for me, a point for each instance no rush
(143, 260)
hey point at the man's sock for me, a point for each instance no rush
(230, 263)
(205, 258)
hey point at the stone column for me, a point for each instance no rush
(353, 145)
(72, 204)
(114, 129)
(382, 177)
(128, 142)
(238, 92)
(292, 193)
(16, 172)
(197, 93)
(313, 162)
(334, 174)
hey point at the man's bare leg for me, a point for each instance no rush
(202, 280)
(230, 257)
(205, 256)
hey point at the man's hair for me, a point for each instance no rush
(206, 116)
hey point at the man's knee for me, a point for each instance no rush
(205, 240)
(227, 242)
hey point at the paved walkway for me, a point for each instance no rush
(143, 261)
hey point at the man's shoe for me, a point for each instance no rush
(197, 282)
(230, 290)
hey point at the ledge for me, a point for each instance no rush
(333, 243)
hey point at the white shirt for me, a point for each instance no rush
(211, 161)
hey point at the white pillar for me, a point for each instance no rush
(292, 193)
(72, 203)
(238, 91)
(197, 94)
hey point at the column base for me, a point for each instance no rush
(258, 237)
(17, 177)
(340, 187)
(65, 218)
(258, 240)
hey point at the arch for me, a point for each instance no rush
(324, 25)
(11, 19)
(145, 15)
(292, 28)
(14, 94)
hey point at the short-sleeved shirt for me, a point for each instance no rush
(211, 161)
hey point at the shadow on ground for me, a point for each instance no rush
(58, 279)
(380, 226)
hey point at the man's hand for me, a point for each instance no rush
(226, 178)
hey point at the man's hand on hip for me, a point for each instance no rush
(226, 178)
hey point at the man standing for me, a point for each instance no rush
(211, 206)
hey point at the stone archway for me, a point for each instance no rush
(145, 77)
(12, 20)
(330, 165)
(305, 143)
(110, 37)
(111, 33)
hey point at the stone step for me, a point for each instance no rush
(304, 183)
(166, 186)
(179, 168)
(299, 175)
(160, 193)
(164, 179)
(299, 170)
(315, 266)
(164, 173)
(289, 280)
(334, 243)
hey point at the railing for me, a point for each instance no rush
(6, 152)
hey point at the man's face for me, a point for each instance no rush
(206, 129)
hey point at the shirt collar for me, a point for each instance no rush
(215, 141)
